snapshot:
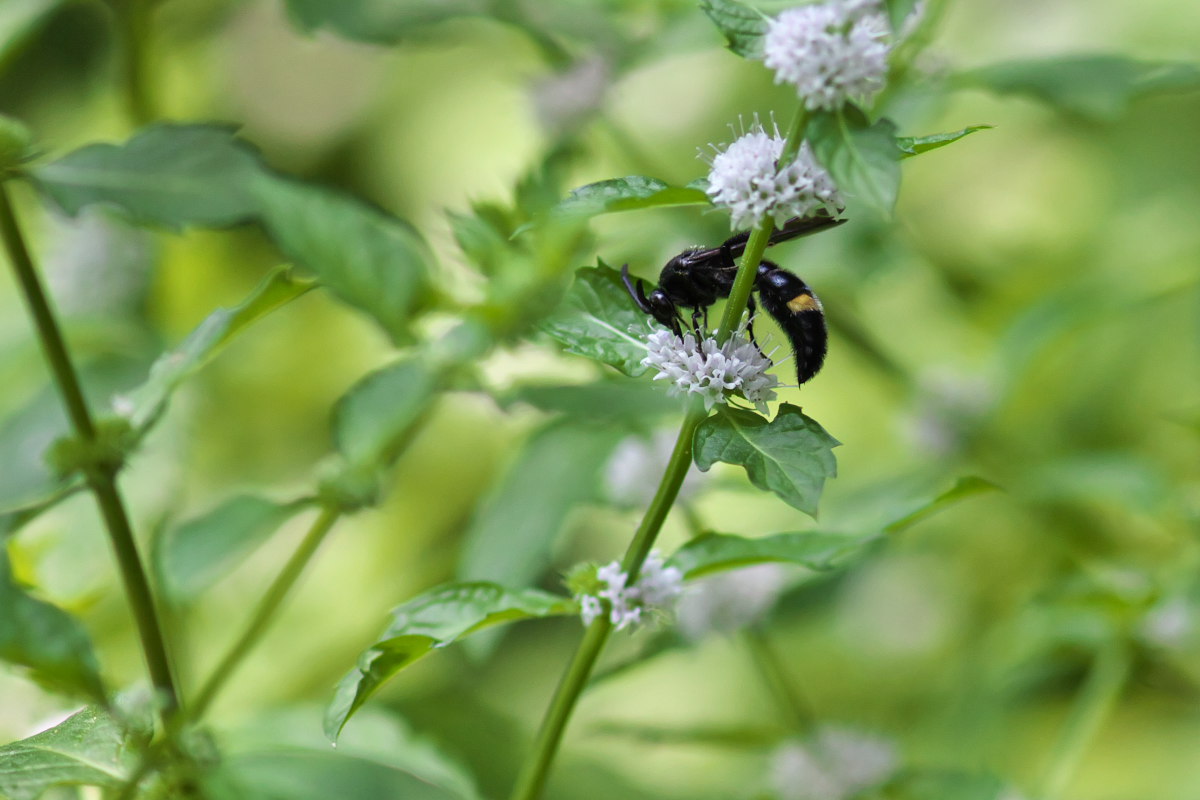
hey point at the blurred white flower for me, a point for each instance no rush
(712, 370)
(1169, 624)
(834, 764)
(729, 601)
(96, 264)
(832, 52)
(745, 178)
(656, 590)
(636, 466)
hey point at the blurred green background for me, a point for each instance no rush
(1030, 316)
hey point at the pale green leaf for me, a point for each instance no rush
(742, 26)
(861, 156)
(915, 145)
(374, 420)
(718, 552)
(87, 749)
(598, 319)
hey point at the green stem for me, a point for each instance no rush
(102, 481)
(270, 603)
(1103, 685)
(132, 21)
(774, 674)
(532, 779)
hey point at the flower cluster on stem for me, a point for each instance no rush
(656, 589)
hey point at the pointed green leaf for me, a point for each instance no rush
(193, 556)
(627, 194)
(368, 258)
(717, 552)
(87, 749)
(48, 641)
(963, 488)
(861, 157)
(598, 319)
(170, 175)
(915, 145)
(791, 455)
(149, 400)
(377, 21)
(373, 421)
(431, 621)
(1099, 87)
(302, 774)
(742, 26)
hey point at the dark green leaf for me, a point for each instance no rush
(915, 145)
(377, 21)
(596, 320)
(87, 749)
(962, 489)
(313, 775)
(19, 19)
(368, 258)
(198, 553)
(430, 621)
(170, 175)
(374, 420)
(717, 552)
(1098, 87)
(862, 157)
(515, 528)
(791, 455)
(149, 400)
(48, 641)
(627, 194)
(742, 26)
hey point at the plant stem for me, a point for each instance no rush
(267, 607)
(132, 20)
(101, 480)
(532, 779)
(770, 667)
(1100, 690)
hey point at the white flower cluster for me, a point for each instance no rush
(831, 52)
(730, 601)
(712, 370)
(745, 179)
(835, 764)
(656, 589)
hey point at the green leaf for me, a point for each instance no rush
(963, 488)
(87, 749)
(516, 526)
(374, 420)
(377, 21)
(301, 774)
(48, 641)
(601, 400)
(742, 26)
(193, 556)
(368, 258)
(627, 194)
(149, 400)
(431, 621)
(13, 520)
(717, 552)
(946, 785)
(861, 157)
(791, 455)
(26, 478)
(170, 175)
(1099, 87)
(19, 19)
(595, 320)
(915, 145)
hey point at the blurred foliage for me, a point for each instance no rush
(1030, 316)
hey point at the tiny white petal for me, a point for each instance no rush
(711, 370)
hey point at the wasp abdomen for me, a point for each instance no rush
(798, 311)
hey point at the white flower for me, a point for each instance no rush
(730, 601)
(745, 179)
(831, 52)
(656, 589)
(636, 465)
(1169, 624)
(835, 764)
(712, 370)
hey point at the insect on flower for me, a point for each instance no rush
(698, 277)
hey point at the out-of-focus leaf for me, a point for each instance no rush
(377, 21)
(600, 400)
(717, 552)
(149, 400)
(1099, 87)
(19, 19)
(368, 258)
(25, 476)
(861, 157)
(942, 785)
(17, 518)
(87, 749)
(196, 554)
(170, 175)
(430, 621)
(915, 145)
(627, 194)
(963, 488)
(725, 737)
(316, 775)
(510, 540)
(48, 641)
(372, 422)
(791, 455)
(596, 318)
(742, 26)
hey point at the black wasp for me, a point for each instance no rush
(698, 277)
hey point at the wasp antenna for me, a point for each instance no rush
(636, 291)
